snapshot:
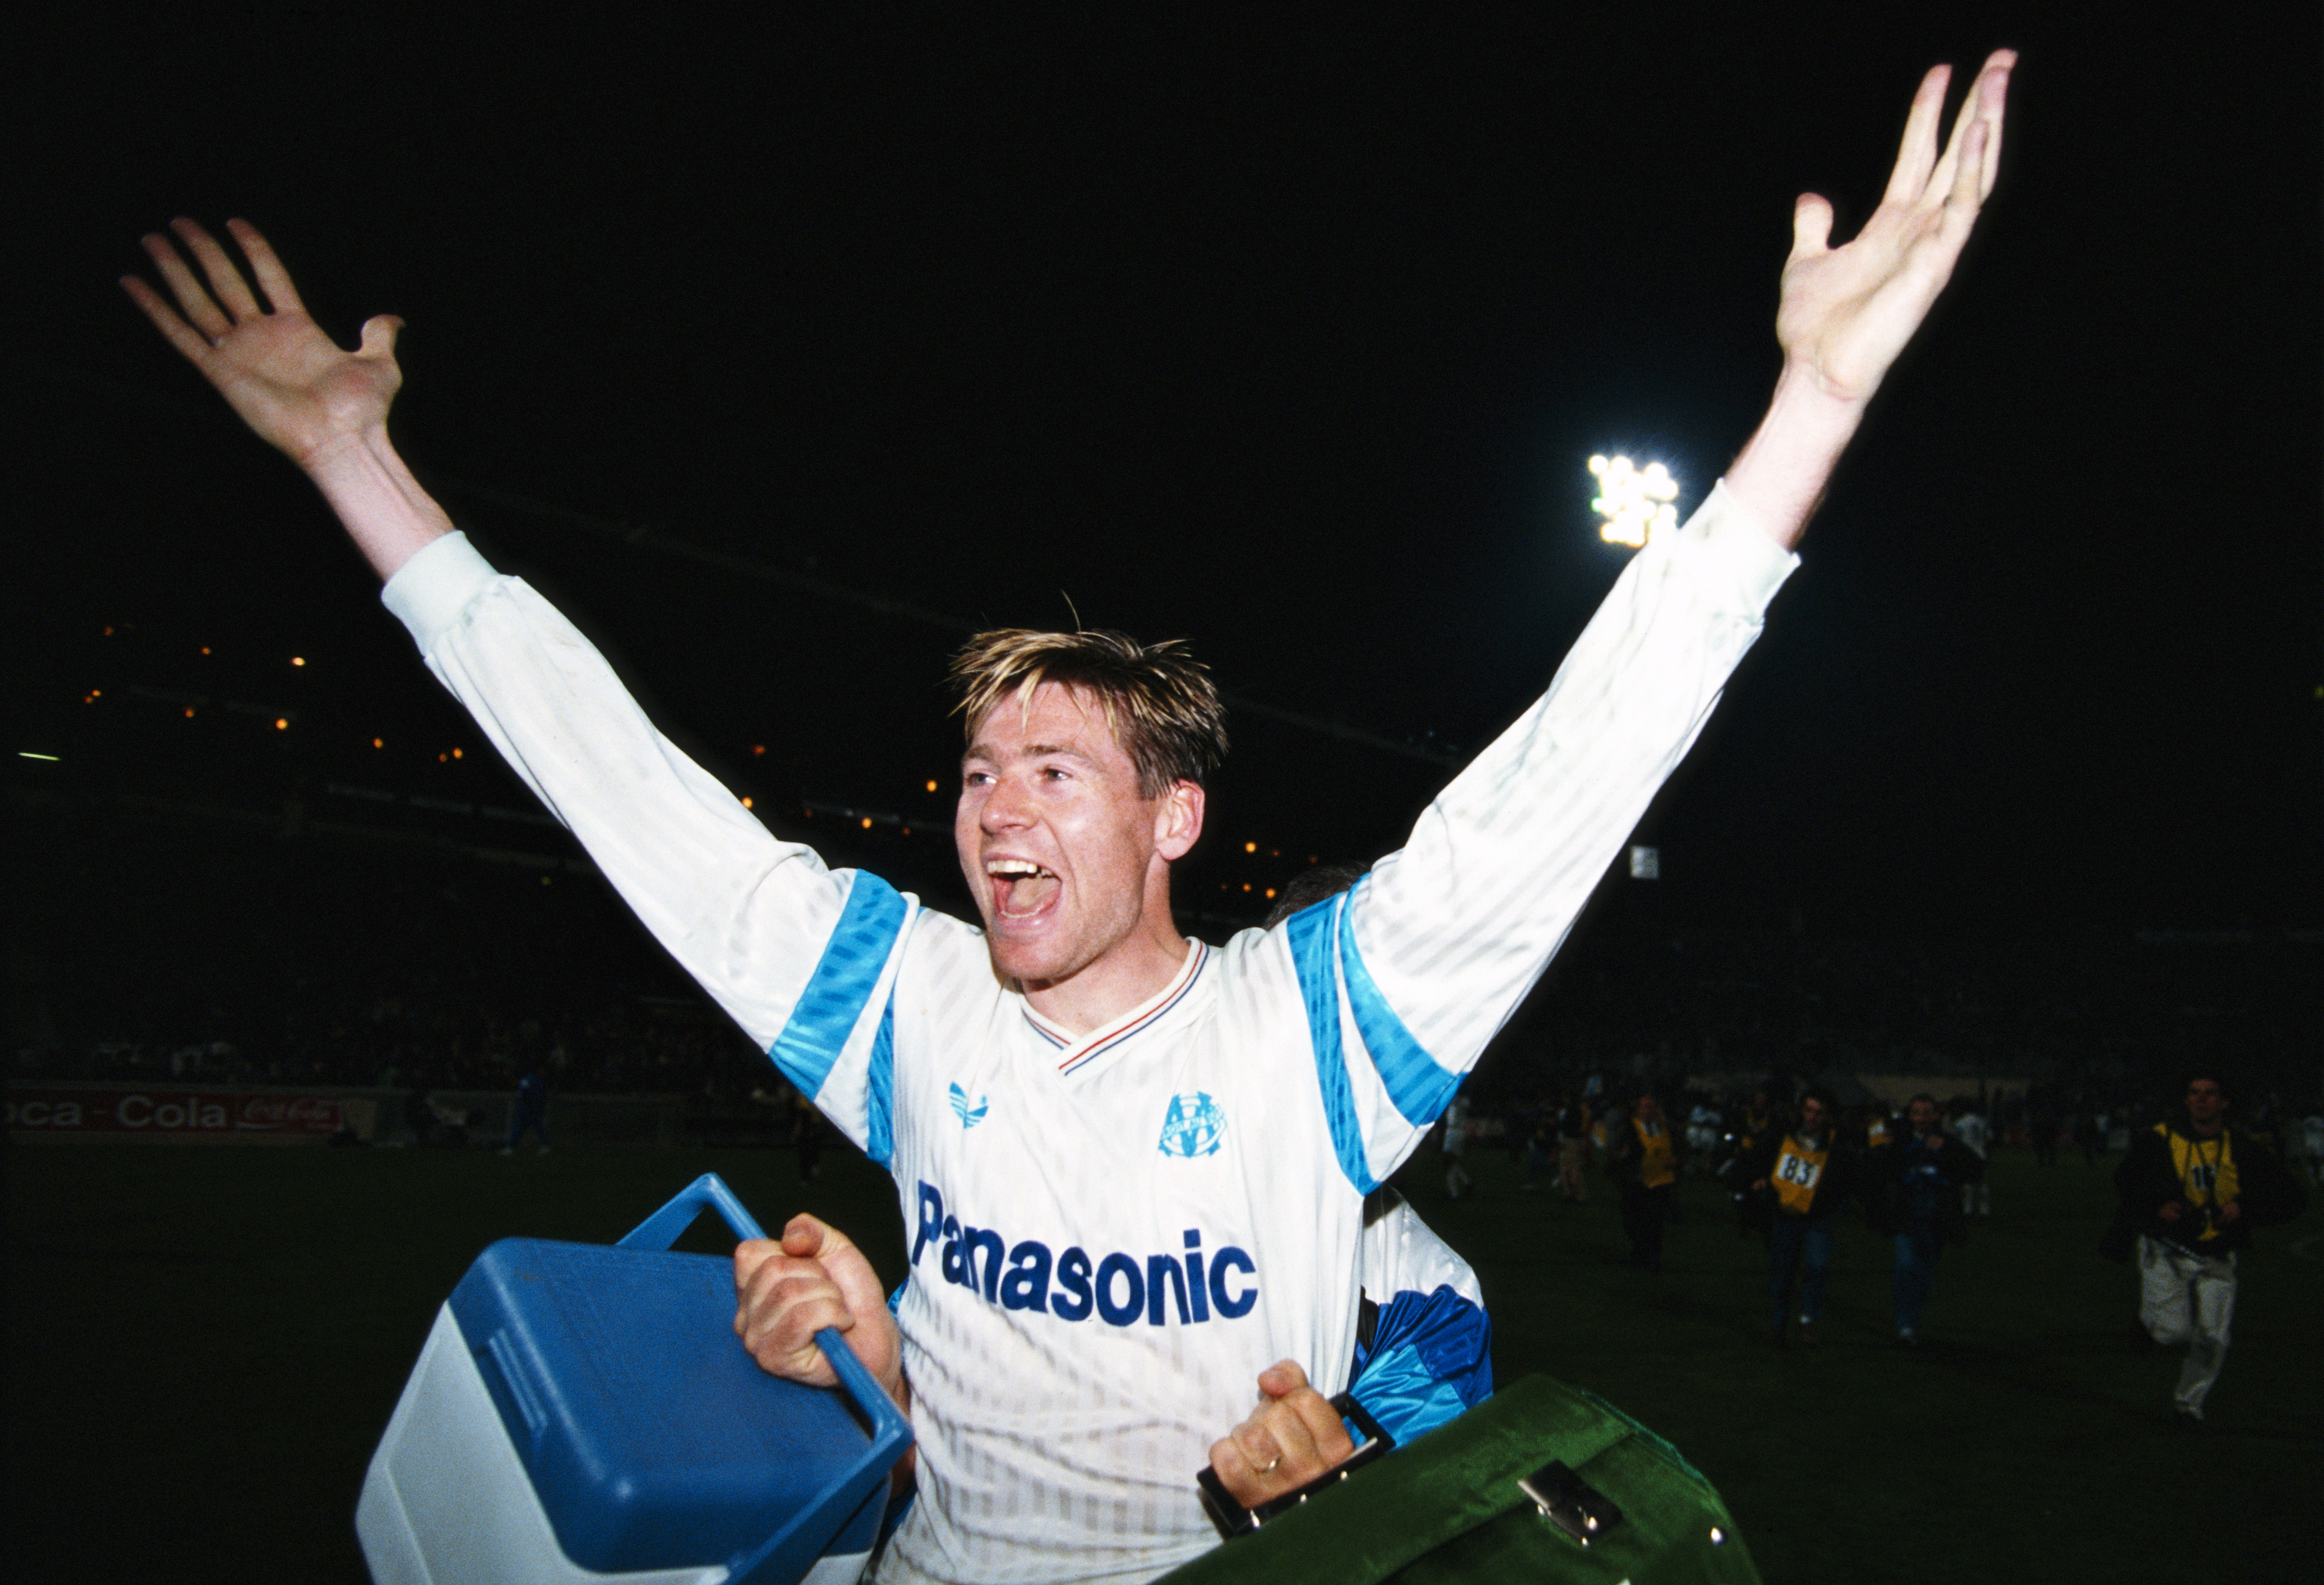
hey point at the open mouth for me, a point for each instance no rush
(1020, 888)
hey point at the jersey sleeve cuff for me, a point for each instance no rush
(428, 592)
(1739, 555)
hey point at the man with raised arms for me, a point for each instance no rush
(1131, 1167)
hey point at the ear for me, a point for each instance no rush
(1177, 820)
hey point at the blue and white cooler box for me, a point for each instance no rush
(584, 1412)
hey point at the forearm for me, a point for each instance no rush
(1782, 470)
(384, 511)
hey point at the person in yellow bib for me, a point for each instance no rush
(1802, 1176)
(2194, 1188)
(1643, 1162)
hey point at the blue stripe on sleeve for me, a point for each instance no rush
(1416, 1084)
(840, 987)
(1309, 934)
(879, 1085)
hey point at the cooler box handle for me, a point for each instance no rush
(707, 1192)
(890, 1433)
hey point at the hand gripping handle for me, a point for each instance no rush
(709, 1193)
(890, 1433)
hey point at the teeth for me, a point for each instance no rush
(1013, 868)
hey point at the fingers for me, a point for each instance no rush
(193, 301)
(1981, 150)
(1282, 1378)
(808, 1237)
(1916, 151)
(273, 279)
(1322, 1437)
(1811, 225)
(379, 334)
(1964, 174)
(209, 312)
(1294, 1436)
(227, 284)
(782, 1300)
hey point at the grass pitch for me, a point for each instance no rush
(205, 1344)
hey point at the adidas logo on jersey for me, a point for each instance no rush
(970, 1116)
(1120, 1289)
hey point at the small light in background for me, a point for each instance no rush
(298, 660)
(282, 724)
(746, 803)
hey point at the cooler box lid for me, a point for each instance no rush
(650, 1437)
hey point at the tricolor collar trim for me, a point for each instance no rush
(1073, 1053)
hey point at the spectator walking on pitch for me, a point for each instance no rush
(530, 1115)
(2192, 1189)
(1572, 1148)
(1969, 1126)
(1457, 1180)
(1643, 1161)
(1920, 1178)
(1801, 1175)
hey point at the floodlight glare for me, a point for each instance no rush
(1636, 503)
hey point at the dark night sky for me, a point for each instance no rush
(1289, 337)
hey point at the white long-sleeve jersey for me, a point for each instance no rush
(1111, 1235)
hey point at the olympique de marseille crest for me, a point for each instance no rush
(1194, 1126)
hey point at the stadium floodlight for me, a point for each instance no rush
(1638, 503)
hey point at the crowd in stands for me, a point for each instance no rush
(163, 954)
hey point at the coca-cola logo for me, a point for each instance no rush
(312, 1113)
(146, 1113)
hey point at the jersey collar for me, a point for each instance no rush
(1075, 1053)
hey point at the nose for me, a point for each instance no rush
(1007, 806)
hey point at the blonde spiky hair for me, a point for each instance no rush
(1158, 700)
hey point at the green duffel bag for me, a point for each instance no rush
(1539, 1481)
